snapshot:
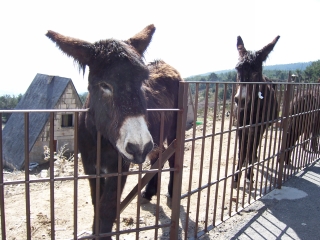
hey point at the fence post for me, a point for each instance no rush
(285, 119)
(2, 208)
(178, 165)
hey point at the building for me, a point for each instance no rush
(45, 92)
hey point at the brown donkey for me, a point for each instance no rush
(303, 119)
(121, 88)
(256, 104)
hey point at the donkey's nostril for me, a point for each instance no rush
(132, 148)
(139, 156)
(148, 147)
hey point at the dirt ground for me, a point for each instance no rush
(15, 201)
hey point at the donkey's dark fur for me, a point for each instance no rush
(303, 124)
(121, 88)
(255, 103)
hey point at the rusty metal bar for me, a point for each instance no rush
(270, 145)
(262, 175)
(192, 157)
(138, 202)
(227, 159)
(52, 215)
(211, 155)
(241, 153)
(286, 106)
(301, 121)
(266, 109)
(2, 209)
(235, 156)
(256, 138)
(227, 154)
(306, 142)
(219, 161)
(205, 114)
(297, 122)
(246, 156)
(75, 177)
(26, 169)
(119, 191)
(178, 165)
(277, 145)
(161, 140)
(98, 180)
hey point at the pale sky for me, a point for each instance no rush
(195, 37)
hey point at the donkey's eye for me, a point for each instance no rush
(107, 88)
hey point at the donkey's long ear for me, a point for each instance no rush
(81, 51)
(240, 46)
(141, 40)
(264, 52)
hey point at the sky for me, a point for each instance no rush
(195, 37)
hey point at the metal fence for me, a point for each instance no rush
(58, 206)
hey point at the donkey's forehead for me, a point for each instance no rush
(249, 58)
(111, 50)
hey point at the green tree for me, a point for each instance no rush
(83, 97)
(213, 77)
(8, 102)
(312, 72)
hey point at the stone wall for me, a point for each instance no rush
(62, 135)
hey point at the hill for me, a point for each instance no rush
(289, 67)
(282, 67)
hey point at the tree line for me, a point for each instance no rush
(309, 75)
(8, 102)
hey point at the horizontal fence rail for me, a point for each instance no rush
(52, 200)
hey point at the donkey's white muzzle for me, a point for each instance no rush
(135, 140)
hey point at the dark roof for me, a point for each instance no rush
(43, 93)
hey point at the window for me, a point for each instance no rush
(67, 120)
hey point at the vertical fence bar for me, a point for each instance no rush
(119, 190)
(235, 155)
(296, 121)
(220, 154)
(3, 216)
(263, 173)
(26, 167)
(277, 135)
(97, 203)
(277, 144)
(159, 174)
(219, 161)
(52, 217)
(205, 114)
(178, 165)
(240, 156)
(286, 106)
(227, 161)
(299, 126)
(192, 158)
(249, 128)
(75, 177)
(211, 156)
